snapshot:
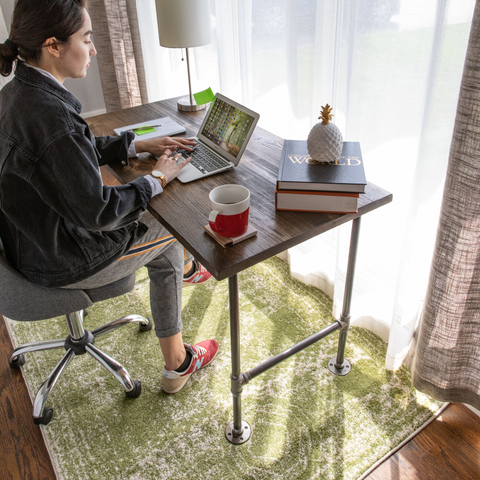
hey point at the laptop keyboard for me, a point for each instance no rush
(206, 161)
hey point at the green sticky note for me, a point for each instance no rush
(206, 96)
(143, 130)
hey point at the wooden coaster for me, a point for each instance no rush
(226, 241)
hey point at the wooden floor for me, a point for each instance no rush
(22, 450)
(448, 448)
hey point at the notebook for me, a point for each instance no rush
(221, 139)
(159, 127)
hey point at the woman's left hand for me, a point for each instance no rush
(157, 146)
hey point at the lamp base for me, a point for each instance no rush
(185, 105)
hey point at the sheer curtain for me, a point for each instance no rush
(392, 70)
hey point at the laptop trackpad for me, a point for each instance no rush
(188, 174)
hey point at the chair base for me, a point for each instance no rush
(79, 342)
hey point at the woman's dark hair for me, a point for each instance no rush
(33, 22)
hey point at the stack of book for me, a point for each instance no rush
(306, 185)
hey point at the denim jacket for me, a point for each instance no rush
(58, 223)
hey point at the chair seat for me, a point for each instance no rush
(22, 300)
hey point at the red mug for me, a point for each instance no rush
(230, 207)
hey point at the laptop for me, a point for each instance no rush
(221, 139)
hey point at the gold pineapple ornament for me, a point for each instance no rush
(325, 141)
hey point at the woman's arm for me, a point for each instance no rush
(68, 179)
(157, 146)
(112, 149)
(115, 149)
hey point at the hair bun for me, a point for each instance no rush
(12, 46)
(8, 55)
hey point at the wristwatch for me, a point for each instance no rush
(160, 177)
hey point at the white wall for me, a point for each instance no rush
(87, 90)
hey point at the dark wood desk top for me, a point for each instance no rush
(183, 208)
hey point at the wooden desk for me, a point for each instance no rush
(183, 209)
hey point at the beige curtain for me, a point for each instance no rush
(445, 358)
(120, 60)
(3, 37)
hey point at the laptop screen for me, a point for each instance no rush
(227, 127)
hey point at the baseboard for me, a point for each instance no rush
(473, 409)
(92, 113)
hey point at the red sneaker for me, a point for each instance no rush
(202, 355)
(200, 275)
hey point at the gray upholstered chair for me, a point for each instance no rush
(20, 299)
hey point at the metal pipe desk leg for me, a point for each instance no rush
(339, 365)
(236, 432)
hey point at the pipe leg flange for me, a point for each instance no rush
(345, 370)
(238, 439)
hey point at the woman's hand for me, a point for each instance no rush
(167, 164)
(158, 146)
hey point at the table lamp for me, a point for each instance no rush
(184, 24)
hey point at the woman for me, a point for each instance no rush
(59, 225)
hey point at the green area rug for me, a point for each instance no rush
(306, 422)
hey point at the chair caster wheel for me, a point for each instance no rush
(45, 418)
(137, 390)
(147, 327)
(18, 361)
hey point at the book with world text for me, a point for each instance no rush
(298, 171)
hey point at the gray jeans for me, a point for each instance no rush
(165, 259)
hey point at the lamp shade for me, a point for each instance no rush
(183, 23)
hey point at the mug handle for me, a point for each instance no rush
(213, 216)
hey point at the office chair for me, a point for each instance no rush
(20, 299)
